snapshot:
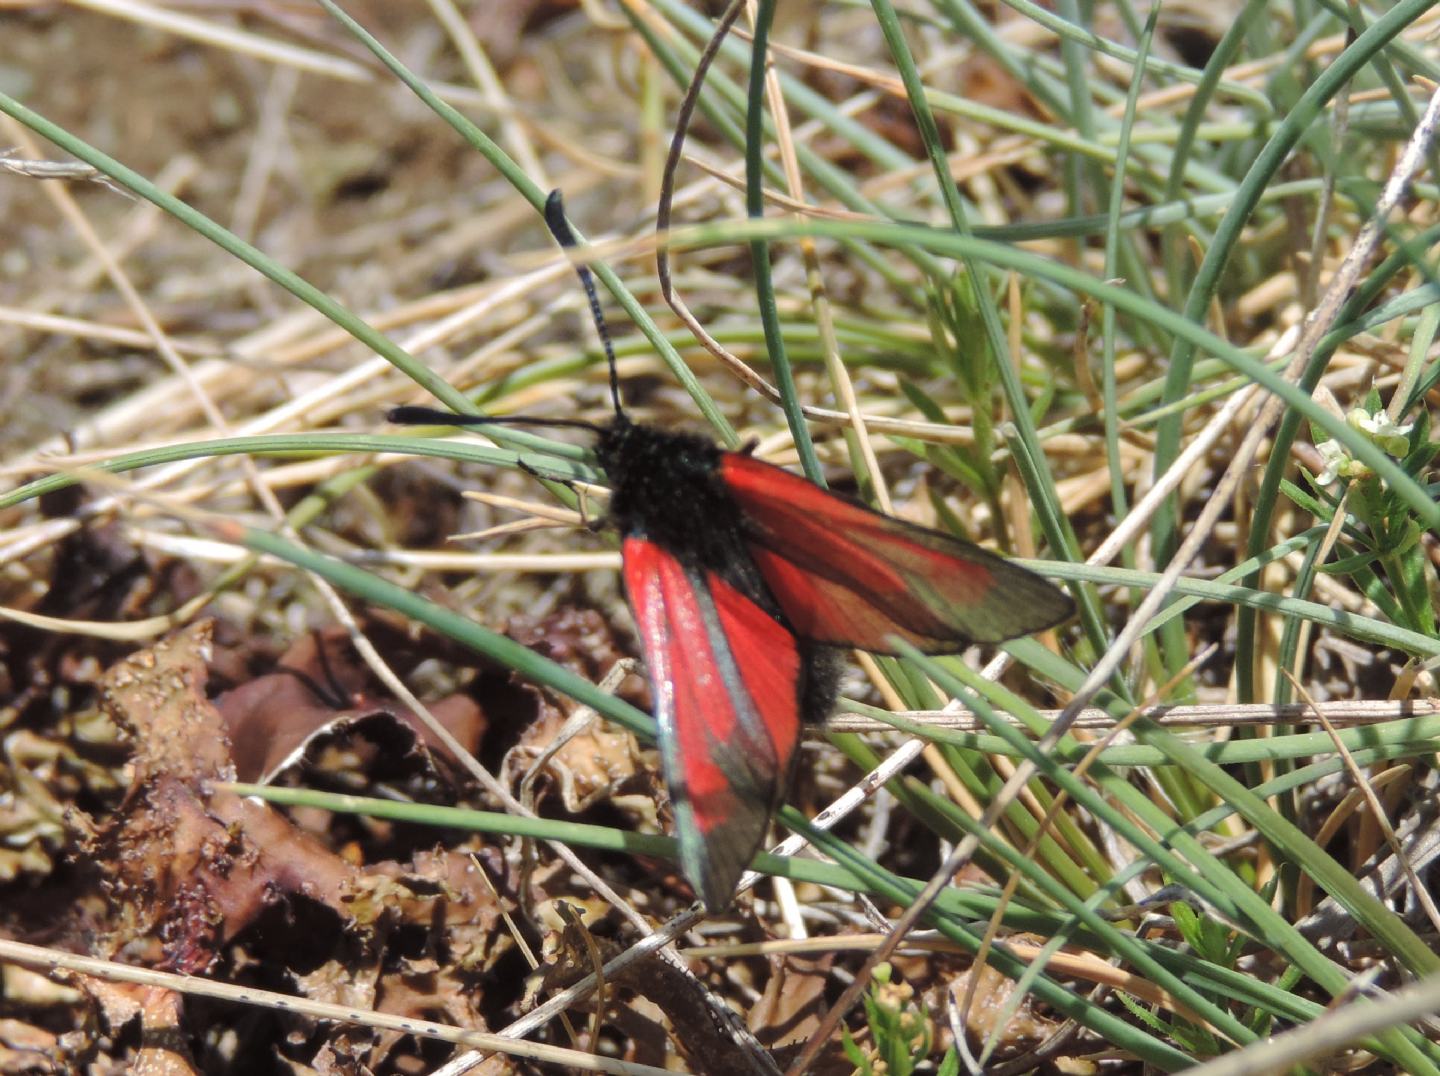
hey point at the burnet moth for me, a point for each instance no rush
(743, 578)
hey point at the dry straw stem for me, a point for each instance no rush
(307, 408)
(338, 609)
(1313, 330)
(677, 926)
(1084, 966)
(1342, 713)
(78, 221)
(1346, 1023)
(329, 386)
(1377, 811)
(55, 961)
(851, 417)
(1047, 820)
(282, 54)
(892, 766)
(232, 532)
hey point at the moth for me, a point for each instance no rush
(743, 578)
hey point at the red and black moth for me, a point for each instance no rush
(743, 578)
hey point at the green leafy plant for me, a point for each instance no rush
(901, 1031)
(1380, 537)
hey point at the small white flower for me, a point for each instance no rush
(1333, 453)
(1381, 429)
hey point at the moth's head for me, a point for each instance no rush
(616, 447)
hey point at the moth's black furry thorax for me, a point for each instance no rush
(666, 487)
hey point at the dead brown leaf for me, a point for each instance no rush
(157, 698)
(162, 1049)
(27, 1049)
(320, 692)
(710, 1049)
(1024, 1030)
(588, 768)
(790, 1009)
(187, 868)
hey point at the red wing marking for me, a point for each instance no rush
(726, 681)
(848, 576)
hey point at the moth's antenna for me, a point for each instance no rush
(429, 416)
(565, 236)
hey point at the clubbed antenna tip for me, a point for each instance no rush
(560, 228)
